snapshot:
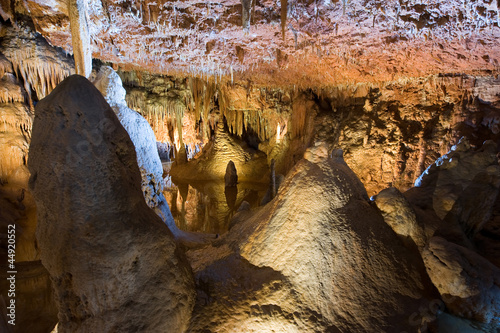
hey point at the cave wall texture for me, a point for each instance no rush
(395, 85)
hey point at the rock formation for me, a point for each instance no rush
(469, 284)
(317, 258)
(446, 215)
(80, 36)
(231, 176)
(465, 185)
(35, 308)
(113, 263)
(399, 215)
(393, 86)
(284, 42)
(148, 160)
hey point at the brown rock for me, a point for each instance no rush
(464, 185)
(231, 176)
(468, 283)
(400, 216)
(114, 265)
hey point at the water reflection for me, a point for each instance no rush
(209, 206)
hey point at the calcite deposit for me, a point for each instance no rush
(446, 215)
(141, 134)
(286, 42)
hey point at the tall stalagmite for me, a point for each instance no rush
(114, 265)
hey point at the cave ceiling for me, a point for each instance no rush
(312, 43)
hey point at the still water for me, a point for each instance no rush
(209, 206)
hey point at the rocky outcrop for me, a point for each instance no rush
(465, 185)
(469, 284)
(113, 263)
(400, 216)
(391, 132)
(455, 203)
(318, 257)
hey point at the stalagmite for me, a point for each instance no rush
(80, 36)
(108, 254)
(231, 177)
(319, 258)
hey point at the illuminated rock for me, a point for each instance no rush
(455, 200)
(80, 36)
(211, 164)
(35, 63)
(400, 216)
(318, 257)
(113, 263)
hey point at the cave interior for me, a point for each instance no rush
(249, 166)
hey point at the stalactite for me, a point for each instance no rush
(299, 119)
(158, 113)
(80, 36)
(284, 13)
(196, 86)
(5, 66)
(36, 72)
(246, 13)
(15, 125)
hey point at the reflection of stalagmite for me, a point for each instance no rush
(80, 36)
